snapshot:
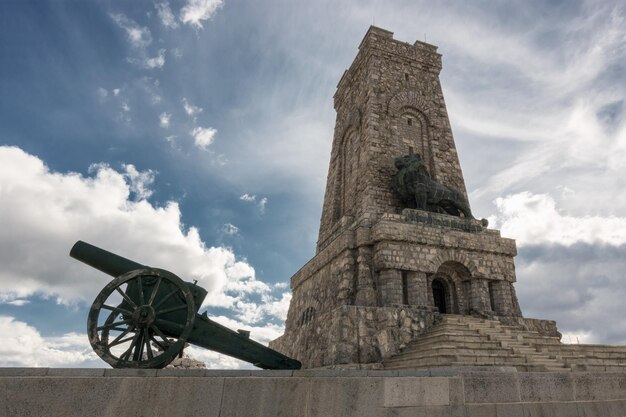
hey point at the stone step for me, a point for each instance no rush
(519, 365)
(595, 361)
(464, 341)
(467, 344)
(463, 357)
(454, 350)
(445, 335)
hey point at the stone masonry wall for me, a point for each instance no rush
(354, 334)
(422, 247)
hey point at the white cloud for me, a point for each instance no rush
(116, 92)
(43, 213)
(534, 219)
(195, 11)
(164, 120)
(165, 14)
(203, 136)
(155, 62)
(251, 198)
(248, 197)
(23, 345)
(190, 109)
(12, 299)
(575, 338)
(230, 229)
(139, 182)
(138, 36)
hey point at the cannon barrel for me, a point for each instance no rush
(213, 336)
(115, 265)
(140, 307)
(103, 260)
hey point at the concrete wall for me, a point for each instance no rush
(435, 392)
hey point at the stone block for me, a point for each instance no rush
(429, 411)
(344, 397)
(615, 408)
(447, 371)
(535, 387)
(76, 372)
(510, 410)
(481, 410)
(111, 397)
(489, 387)
(325, 373)
(382, 373)
(599, 386)
(181, 373)
(130, 372)
(592, 409)
(245, 397)
(413, 372)
(230, 373)
(7, 372)
(414, 391)
(551, 409)
(457, 396)
(271, 373)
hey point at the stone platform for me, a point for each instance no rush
(469, 391)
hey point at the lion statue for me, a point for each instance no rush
(418, 190)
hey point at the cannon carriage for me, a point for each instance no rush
(144, 317)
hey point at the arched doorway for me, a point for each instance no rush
(439, 295)
(454, 278)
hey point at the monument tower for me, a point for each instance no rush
(398, 246)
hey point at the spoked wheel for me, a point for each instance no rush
(141, 319)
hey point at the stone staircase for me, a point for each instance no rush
(471, 341)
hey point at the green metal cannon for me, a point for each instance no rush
(144, 317)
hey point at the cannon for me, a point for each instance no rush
(144, 317)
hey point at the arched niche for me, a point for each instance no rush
(412, 136)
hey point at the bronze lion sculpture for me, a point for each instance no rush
(417, 189)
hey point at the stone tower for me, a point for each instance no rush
(383, 273)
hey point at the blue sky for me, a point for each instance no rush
(194, 135)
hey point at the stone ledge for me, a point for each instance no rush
(241, 373)
(497, 392)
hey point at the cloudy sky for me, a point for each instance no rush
(194, 135)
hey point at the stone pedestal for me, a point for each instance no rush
(370, 291)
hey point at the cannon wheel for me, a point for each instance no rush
(139, 342)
